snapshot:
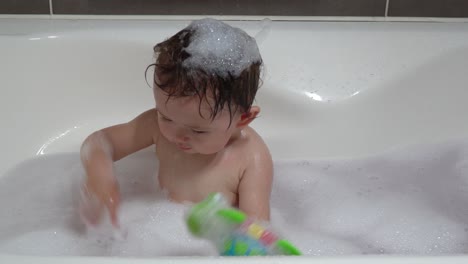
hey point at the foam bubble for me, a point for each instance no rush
(219, 48)
(407, 201)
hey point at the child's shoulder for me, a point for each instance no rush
(147, 122)
(250, 144)
(148, 118)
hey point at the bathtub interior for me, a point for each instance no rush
(329, 89)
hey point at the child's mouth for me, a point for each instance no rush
(183, 147)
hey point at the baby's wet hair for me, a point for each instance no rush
(220, 89)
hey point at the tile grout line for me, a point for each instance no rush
(51, 8)
(386, 7)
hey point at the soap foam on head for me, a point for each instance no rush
(219, 48)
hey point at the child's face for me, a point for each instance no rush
(180, 123)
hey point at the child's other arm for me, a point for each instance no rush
(255, 186)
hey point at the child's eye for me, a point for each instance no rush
(198, 131)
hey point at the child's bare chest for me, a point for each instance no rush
(192, 177)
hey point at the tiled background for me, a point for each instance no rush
(396, 8)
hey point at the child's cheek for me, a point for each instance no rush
(216, 144)
(165, 131)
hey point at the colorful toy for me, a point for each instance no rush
(233, 233)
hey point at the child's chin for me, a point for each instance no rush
(205, 152)
(189, 151)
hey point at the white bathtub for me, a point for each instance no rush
(342, 89)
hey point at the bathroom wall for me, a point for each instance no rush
(356, 8)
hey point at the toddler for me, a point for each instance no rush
(205, 80)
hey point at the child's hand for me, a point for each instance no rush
(96, 196)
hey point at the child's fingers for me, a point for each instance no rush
(90, 207)
(113, 206)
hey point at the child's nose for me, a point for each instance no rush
(183, 139)
(181, 136)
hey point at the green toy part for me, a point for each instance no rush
(287, 248)
(232, 215)
(197, 212)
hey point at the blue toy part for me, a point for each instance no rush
(243, 245)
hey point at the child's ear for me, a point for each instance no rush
(248, 116)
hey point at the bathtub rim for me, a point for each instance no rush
(370, 259)
(239, 18)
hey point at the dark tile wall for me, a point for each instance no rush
(396, 8)
(222, 7)
(24, 7)
(428, 8)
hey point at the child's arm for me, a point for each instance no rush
(105, 146)
(255, 186)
